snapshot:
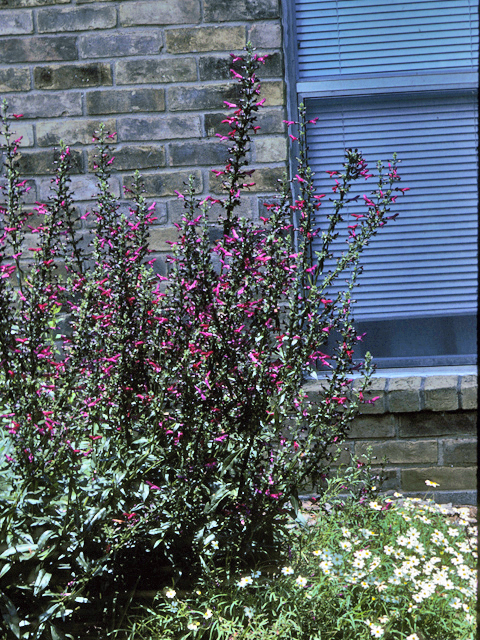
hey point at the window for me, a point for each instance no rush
(400, 77)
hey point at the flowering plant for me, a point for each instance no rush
(165, 425)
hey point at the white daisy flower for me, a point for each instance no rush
(193, 626)
(456, 603)
(362, 553)
(287, 571)
(170, 593)
(326, 567)
(376, 631)
(358, 563)
(463, 571)
(245, 581)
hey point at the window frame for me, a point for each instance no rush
(368, 84)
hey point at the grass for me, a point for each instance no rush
(391, 569)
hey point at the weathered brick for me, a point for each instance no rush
(375, 389)
(344, 454)
(390, 478)
(205, 39)
(70, 131)
(38, 49)
(160, 238)
(184, 154)
(44, 106)
(31, 195)
(315, 390)
(159, 212)
(57, 20)
(125, 101)
(120, 43)
(269, 121)
(30, 3)
(70, 76)
(469, 392)
(159, 127)
(429, 423)
(84, 187)
(24, 131)
(266, 35)
(29, 242)
(160, 70)
(15, 23)
(131, 157)
(218, 67)
(176, 209)
(35, 219)
(271, 149)
(265, 179)
(401, 451)
(441, 393)
(213, 96)
(274, 93)
(166, 183)
(449, 478)
(202, 96)
(159, 12)
(14, 79)
(372, 426)
(42, 162)
(226, 10)
(459, 451)
(404, 394)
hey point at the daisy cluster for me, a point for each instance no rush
(418, 564)
(397, 569)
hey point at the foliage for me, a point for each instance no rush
(157, 427)
(391, 568)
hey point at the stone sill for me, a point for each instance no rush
(413, 390)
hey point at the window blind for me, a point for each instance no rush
(423, 263)
(348, 37)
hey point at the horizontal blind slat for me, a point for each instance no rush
(347, 37)
(424, 261)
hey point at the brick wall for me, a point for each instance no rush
(426, 425)
(157, 72)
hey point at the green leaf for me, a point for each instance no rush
(42, 582)
(96, 516)
(56, 633)
(44, 537)
(19, 549)
(10, 614)
(6, 567)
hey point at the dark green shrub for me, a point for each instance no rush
(166, 432)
